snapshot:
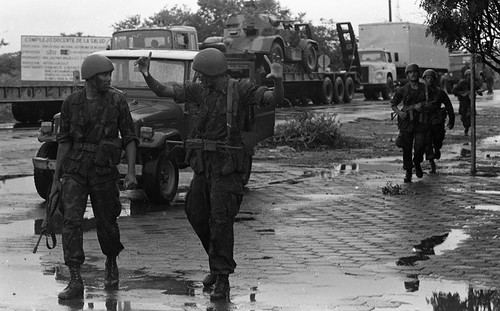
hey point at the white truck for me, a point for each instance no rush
(385, 49)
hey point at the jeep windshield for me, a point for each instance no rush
(372, 56)
(127, 75)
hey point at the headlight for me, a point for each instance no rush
(379, 76)
(47, 127)
(147, 132)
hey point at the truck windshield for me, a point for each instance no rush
(127, 75)
(140, 39)
(372, 56)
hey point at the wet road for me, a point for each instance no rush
(306, 239)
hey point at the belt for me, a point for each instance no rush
(90, 147)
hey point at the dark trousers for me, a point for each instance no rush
(413, 143)
(464, 110)
(435, 140)
(212, 204)
(106, 206)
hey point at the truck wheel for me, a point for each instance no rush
(276, 51)
(26, 113)
(327, 91)
(43, 178)
(310, 58)
(349, 90)
(161, 179)
(338, 91)
(248, 165)
(370, 94)
(388, 91)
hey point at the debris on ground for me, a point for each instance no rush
(393, 189)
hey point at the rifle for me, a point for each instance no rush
(411, 108)
(47, 227)
(204, 144)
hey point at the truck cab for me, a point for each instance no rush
(378, 72)
(156, 38)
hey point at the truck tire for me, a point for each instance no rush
(349, 90)
(327, 91)
(338, 91)
(276, 51)
(310, 58)
(161, 179)
(370, 94)
(388, 91)
(26, 112)
(43, 178)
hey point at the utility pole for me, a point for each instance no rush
(473, 110)
(390, 11)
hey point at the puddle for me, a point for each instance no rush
(485, 207)
(455, 237)
(487, 191)
(17, 185)
(491, 140)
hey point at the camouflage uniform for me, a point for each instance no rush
(413, 129)
(438, 114)
(464, 108)
(216, 190)
(83, 174)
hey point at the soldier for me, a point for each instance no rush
(412, 126)
(462, 91)
(436, 97)
(89, 149)
(216, 190)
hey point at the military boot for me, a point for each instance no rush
(209, 280)
(418, 170)
(75, 286)
(221, 289)
(111, 273)
(408, 176)
(433, 166)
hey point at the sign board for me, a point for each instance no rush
(54, 58)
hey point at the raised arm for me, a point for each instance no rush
(161, 90)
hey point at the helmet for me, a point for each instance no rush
(412, 67)
(210, 62)
(467, 72)
(429, 72)
(95, 64)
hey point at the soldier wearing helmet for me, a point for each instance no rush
(90, 147)
(462, 91)
(439, 106)
(413, 127)
(216, 190)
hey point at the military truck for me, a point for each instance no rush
(307, 76)
(48, 64)
(385, 49)
(157, 122)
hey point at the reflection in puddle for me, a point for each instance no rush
(485, 207)
(17, 185)
(475, 299)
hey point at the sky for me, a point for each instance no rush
(95, 18)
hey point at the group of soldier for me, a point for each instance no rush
(422, 118)
(96, 125)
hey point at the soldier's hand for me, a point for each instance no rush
(276, 69)
(56, 186)
(402, 114)
(143, 63)
(130, 181)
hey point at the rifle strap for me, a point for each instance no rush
(232, 106)
(54, 240)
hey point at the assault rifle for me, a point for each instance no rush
(411, 108)
(47, 227)
(204, 144)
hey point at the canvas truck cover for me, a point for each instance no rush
(408, 40)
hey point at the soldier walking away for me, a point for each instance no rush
(462, 91)
(216, 190)
(89, 150)
(412, 124)
(436, 98)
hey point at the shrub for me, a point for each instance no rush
(309, 131)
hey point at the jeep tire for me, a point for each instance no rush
(43, 178)
(161, 178)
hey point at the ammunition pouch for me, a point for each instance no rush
(108, 153)
(234, 162)
(195, 159)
